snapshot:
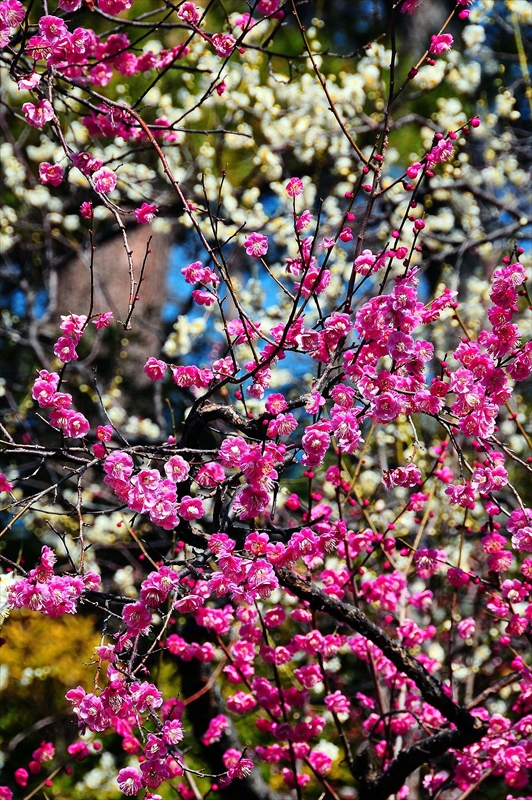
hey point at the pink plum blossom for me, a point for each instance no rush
(146, 213)
(440, 44)
(256, 245)
(38, 115)
(294, 187)
(129, 781)
(103, 320)
(105, 180)
(5, 485)
(11, 13)
(155, 369)
(189, 12)
(50, 173)
(224, 44)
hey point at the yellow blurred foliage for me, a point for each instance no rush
(60, 646)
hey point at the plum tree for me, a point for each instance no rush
(297, 546)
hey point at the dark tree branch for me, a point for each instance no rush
(412, 758)
(469, 729)
(430, 688)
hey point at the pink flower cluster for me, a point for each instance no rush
(63, 417)
(176, 645)
(244, 579)
(237, 766)
(81, 54)
(385, 375)
(72, 326)
(52, 595)
(119, 699)
(442, 151)
(315, 279)
(45, 389)
(147, 492)
(86, 163)
(506, 750)
(11, 15)
(40, 756)
(402, 476)
(385, 325)
(217, 725)
(520, 526)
